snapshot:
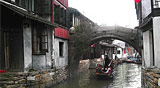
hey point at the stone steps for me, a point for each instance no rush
(12, 80)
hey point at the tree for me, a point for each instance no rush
(79, 43)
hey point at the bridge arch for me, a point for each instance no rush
(127, 35)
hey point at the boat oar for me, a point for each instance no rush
(110, 63)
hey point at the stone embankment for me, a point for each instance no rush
(83, 65)
(150, 77)
(33, 79)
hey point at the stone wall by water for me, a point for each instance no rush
(150, 77)
(89, 64)
(83, 65)
(34, 79)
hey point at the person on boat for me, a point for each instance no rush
(99, 68)
(108, 70)
(116, 57)
(107, 62)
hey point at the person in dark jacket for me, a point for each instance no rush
(107, 61)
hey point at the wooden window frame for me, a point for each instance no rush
(38, 43)
(60, 15)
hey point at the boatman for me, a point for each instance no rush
(107, 61)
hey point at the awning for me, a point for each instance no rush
(25, 13)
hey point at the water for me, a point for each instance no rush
(126, 76)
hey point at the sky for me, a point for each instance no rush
(108, 12)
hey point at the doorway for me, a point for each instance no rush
(13, 50)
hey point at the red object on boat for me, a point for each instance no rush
(2, 71)
(93, 45)
(137, 1)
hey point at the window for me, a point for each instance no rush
(32, 7)
(22, 3)
(156, 3)
(57, 13)
(114, 50)
(40, 41)
(60, 15)
(61, 45)
(28, 4)
(118, 51)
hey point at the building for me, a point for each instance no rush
(77, 18)
(148, 15)
(40, 43)
(33, 39)
(119, 51)
(25, 35)
(148, 12)
(60, 17)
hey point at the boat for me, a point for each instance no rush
(133, 60)
(102, 73)
(128, 61)
(138, 62)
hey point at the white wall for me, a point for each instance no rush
(156, 32)
(146, 8)
(43, 62)
(118, 55)
(60, 61)
(147, 48)
(121, 53)
(39, 62)
(49, 53)
(27, 40)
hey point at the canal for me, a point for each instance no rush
(127, 75)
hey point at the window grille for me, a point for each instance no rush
(39, 41)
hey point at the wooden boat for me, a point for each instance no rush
(128, 61)
(103, 73)
(138, 62)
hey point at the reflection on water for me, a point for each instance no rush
(126, 76)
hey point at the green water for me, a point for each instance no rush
(126, 76)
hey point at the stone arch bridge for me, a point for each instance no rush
(127, 35)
